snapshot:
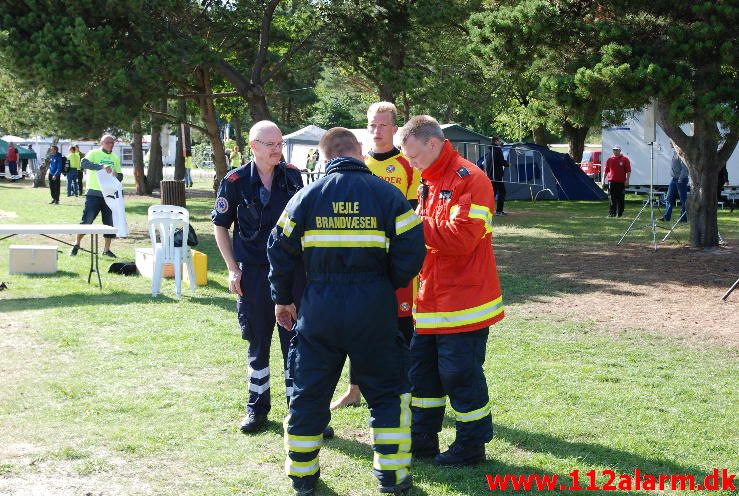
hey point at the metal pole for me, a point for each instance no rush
(651, 192)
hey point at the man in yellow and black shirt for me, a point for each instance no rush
(388, 163)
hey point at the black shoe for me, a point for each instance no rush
(253, 423)
(52, 202)
(305, 492)
(74, 250)
(611, 215)
(424, 444)
(109, 253)
(663, 219)
(461, 455)
(328, 432)
(398, 488)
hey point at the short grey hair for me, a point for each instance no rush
(259, 127)
(338, 142)
(423, 128)
(106, 136)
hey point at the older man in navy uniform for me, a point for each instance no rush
(251, 198)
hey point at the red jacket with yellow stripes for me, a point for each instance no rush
(459, 286)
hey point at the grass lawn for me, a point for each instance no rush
(111, 392)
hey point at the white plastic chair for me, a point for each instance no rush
(163, 221)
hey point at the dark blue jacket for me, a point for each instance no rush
(348, 227)
(55, 164)
(239, 202)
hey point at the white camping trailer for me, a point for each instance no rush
(630, 136)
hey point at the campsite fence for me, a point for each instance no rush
(526, 167)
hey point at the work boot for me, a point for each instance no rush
(404, 486)
(424, 444)
(461, 455)
(328, 432)
(253, 423)
(74, 250)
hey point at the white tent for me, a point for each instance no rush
(299, 143)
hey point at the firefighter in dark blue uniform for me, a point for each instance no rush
(252, 197)
(359, 240)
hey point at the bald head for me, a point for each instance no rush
(260, 127)
(265, 141)
(340, 142)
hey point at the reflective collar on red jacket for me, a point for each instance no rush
(445, 158)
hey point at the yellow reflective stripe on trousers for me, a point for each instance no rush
(286, 224)
(397, 435)
(335, 238)
(428, 402)
(391, 435)
(406, 222)
(480, 313)
(301, 469)
(391, 462)
(474, 414)
(405, 410)
(303, 444)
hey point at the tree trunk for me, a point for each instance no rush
(258, 107)
(154, 173)
(702, 208)
(179, 161)
(208, 113)
(138, 158)
(40, 180)
(704, 158)
(448, 114)
(540, 135)
(576, 136)
(239, 133)
(386, 93)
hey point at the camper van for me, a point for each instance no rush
(630, 137)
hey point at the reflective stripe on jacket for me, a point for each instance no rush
(348, 227)
(459, 286)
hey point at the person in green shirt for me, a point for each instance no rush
(75, 168)
(97, 159)
(235, 157)
(188, 170)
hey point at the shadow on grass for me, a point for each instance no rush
(57, 274)
(473, 481)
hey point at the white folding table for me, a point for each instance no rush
(8, 230)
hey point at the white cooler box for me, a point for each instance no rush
(32, 259)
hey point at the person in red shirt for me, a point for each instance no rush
(459, 297)
(618, 170)
(11, 158)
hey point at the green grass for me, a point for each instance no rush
(114, 392)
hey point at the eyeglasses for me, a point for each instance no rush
(277, 144)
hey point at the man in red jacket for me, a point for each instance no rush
(617, 171)
(458, 299)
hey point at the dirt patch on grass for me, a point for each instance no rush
(674, 291)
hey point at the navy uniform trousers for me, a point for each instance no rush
(256, 314)
(364, 328)
(451, 365)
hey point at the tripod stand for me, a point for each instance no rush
(650, 201)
